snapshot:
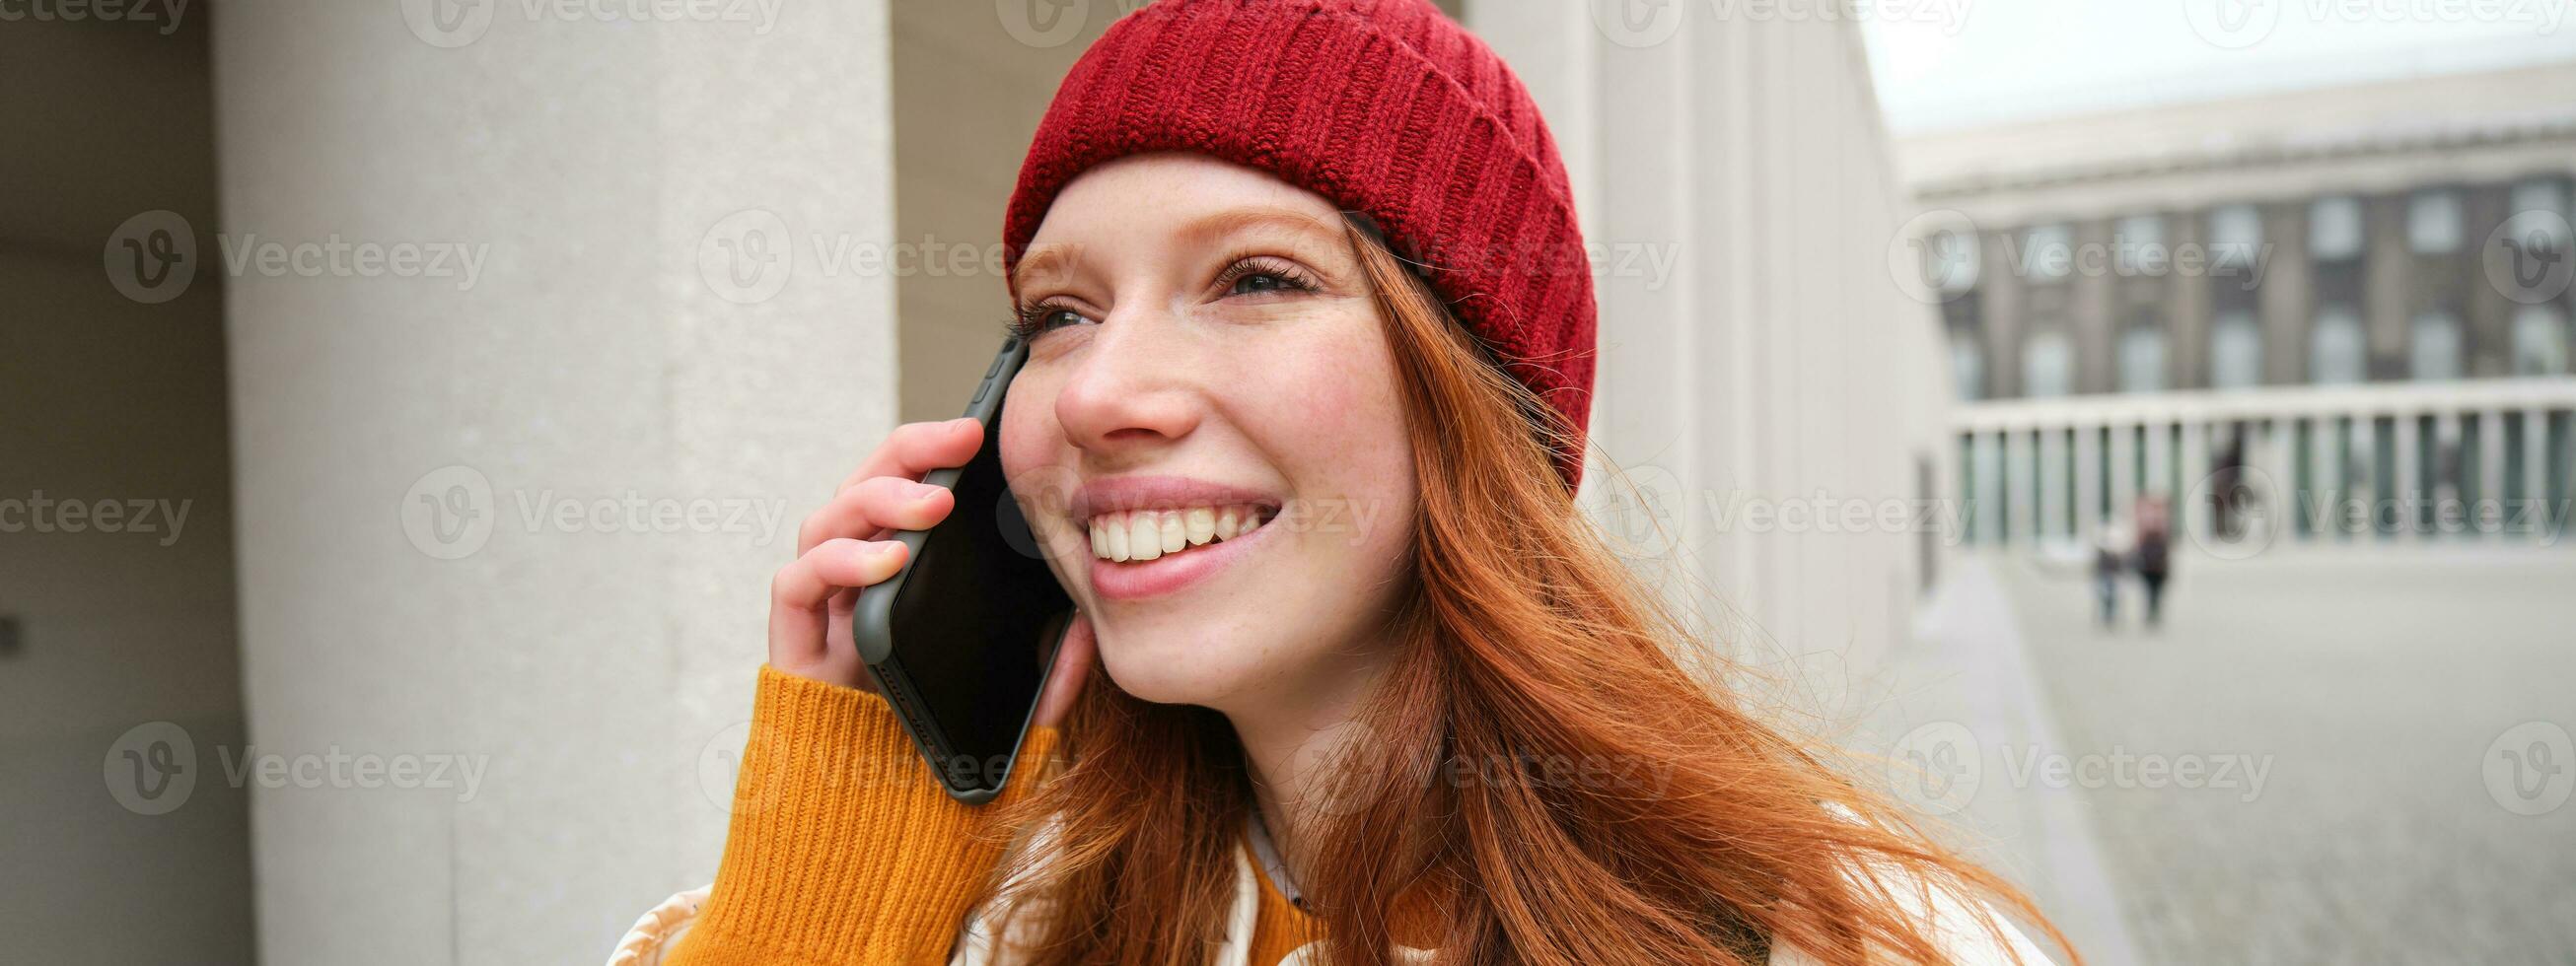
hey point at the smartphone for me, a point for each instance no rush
(962, 639)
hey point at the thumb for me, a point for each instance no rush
(1073, 660)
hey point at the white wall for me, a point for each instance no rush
(601, 353)
(1777, 362)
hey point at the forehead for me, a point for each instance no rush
(1166, 197)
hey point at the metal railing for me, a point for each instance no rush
(2472, 460)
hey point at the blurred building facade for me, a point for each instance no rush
(2316, 315)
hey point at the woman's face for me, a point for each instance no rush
(1207, 352)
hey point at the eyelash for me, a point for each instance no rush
(1029, 321)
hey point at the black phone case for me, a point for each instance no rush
(872, 620)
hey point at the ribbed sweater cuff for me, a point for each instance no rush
(842, 849)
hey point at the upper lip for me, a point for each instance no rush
(1121, 493)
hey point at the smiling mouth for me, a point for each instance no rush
(1141, 535)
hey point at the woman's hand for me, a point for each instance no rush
(846, 545)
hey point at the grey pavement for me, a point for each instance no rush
(2324, 757)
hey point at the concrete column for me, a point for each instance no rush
(1696, 140)
(2021, 495)
(2491, 487)
(2124, 473)
(1990, 489)
(516, 509)
(2191, 501)
(2052, 482)
(2287, 299)
(2088, 482)
(2325, 475)
(2408, 460)
(2533, 515)
(2160, 459)
(2447, 484)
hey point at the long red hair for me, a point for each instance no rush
(1524, 643)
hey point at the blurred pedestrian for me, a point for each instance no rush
(2109, 560)
(2153, 556)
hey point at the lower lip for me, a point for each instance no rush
(1171, 572)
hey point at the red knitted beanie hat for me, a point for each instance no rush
(1388, 108)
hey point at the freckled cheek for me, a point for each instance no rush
(1031, 446)
(1329, 411)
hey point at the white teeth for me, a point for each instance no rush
(1149, 534)
(1144, 537)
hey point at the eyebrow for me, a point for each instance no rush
(1063, 256)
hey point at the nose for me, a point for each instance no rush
(1134, 391)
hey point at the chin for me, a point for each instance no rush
(1180, 661)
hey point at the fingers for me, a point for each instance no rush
(802, 591)
(874, 505)
(1073, 661)
(914, 449)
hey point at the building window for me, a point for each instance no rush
(2138, 245)
(2433, 222)
(2142, 358)
(2235, 351)
(2542, 195)
(2538, 215)
(2539, 341)
(2048, 253)
(1967, 367)
(2336, 355)
(2047, 365)
(2435, 351)
(2334, 229)
(2235, 237)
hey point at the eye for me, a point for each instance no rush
(1260, 276)
(1031, 321)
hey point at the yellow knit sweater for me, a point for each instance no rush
(843, 851)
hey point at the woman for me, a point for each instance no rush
(1373, 691)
